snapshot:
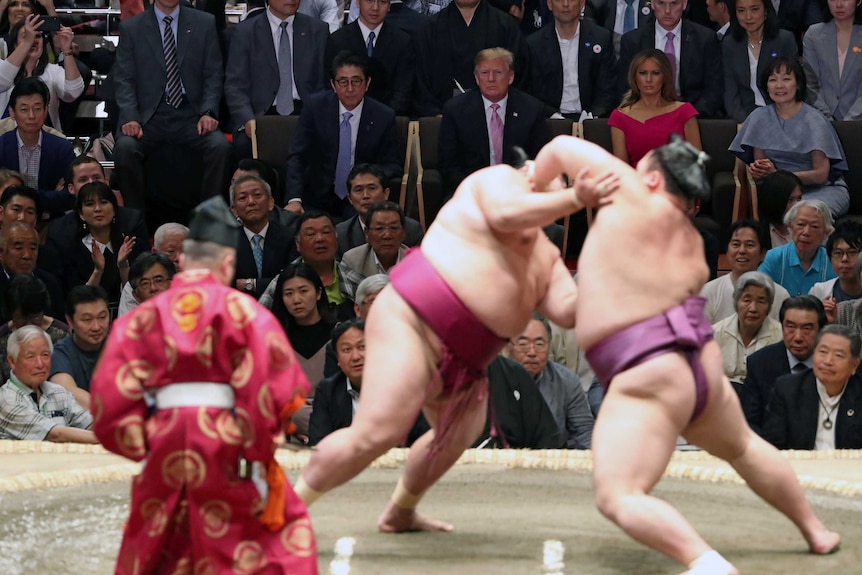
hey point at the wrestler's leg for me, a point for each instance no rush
(422, 471)
(723, 431)
(398, 367)
(635, 435)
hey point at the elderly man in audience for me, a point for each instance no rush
(385, 230)
(366, 293)
(274, 64)
(74, 358)
(32, 407)
(19, 254)
(818, 409)
(367, 185)
(750, 328)
(745, 251)
(19, 203)
(842, 247)
(317, 245)
(150, 274)
(168, 241)
(264, 246)
(572, 63)
(802, 317)
(338, 129)
(560, 386)
(803, 262)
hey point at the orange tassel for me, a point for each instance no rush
(289, 409)
(273, 514)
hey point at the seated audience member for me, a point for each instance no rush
(719, 14)
(754, 40)
(446, 47)
(337, 396)
(750, 328)
(28, 303)
(46, 157)
(303, 311)
(33, 408)
(168, 241)
(390, 51)
(572, 64)
(385, 230)
(843, 248)
(650, 111)
(10, 178)
(776, 194)
(560, 386)
(149, 275)
(99, 252)
(565, 351)
(367, 185)
(75, 356)
(19, 252)
(330, 12)
(745, 251)
(803, 262)
(815, 409)
(519, 415)
(317, 245)
(788, 134)
(336, 130)
(802, 317)
(264, 246)
(18, 203)
(848, 312)
(694, 52)
(82, 171)
(830, 49)
(482, 127)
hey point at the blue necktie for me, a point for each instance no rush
(370, 44)
(629, 17)
(284, 103)
(173, 87)
(257, 252)
(342, 167)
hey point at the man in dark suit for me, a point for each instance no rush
(820, 409)
(391, 56)
(802, 318)
(719, 14)
(693, 50)
(480, 128)
(264, 246)
(337, 130)
(266, 75)
(618, 17)
(367, 186)
(169, 80)
(42, 158)
(572, 64)
(19, 252)
(798, 15)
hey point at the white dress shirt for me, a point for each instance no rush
(571, 101)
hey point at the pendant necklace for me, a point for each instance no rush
(827, 423)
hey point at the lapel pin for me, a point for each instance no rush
(850, 413)
(597, 49)
(857, 49)
(587, 44)
(515, 114)
(645, 10)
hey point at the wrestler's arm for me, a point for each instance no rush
(558, 305)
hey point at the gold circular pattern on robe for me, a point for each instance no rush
(280, 355)
(298, 538)
(133, 377)
(170, 351)
(204, 347)
(265, 403)
(206, 423)
(187, 307)
(248, 557)
(228, 429)
(162, 424)
(184, 468)
(243, 367)
(183, 567)
(246, 426)
(240, 309)
(216, 516)
(141, 322)
(129, 436)
(204, 567)
(155, 516)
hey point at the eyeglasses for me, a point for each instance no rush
(851, 254)
(355, 82)
(523, 344)
(155, 282)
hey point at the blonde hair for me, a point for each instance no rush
(494, 54)
(668, 91)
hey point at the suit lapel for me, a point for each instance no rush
(184, 35)
(272, 247)
(301, 47)
(687, 51)
(846, 411)
(478, 122)
(154, 37)
(851, 62)
(809, 409)
(511, 129)
(585, 49)
(264, 45)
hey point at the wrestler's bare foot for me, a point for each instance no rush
(399, 520)
(824, 543)
(711, 563)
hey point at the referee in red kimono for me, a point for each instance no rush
(197, 383)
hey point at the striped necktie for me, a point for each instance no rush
(173, 88)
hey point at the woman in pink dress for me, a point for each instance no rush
(650, 112)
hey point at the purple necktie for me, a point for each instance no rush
(671, 54)
(342, 166)
(496, 134)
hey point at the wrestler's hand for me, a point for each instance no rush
(830, 306)
(594, 191)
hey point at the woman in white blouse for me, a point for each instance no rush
(28, 58)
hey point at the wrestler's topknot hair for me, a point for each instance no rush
(684, 168)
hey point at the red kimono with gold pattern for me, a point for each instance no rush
(191, 512)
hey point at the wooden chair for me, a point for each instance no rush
(428, 178)
(850, 134)
(271, 139)
(722, 171)
(405, 134)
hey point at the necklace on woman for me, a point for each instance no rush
(754, 45)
